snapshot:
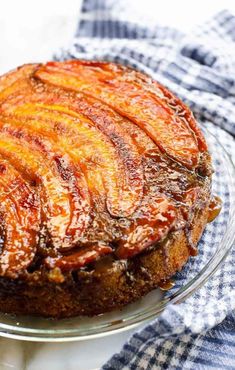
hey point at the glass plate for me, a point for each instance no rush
(186, 282)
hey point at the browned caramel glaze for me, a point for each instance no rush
(166, 284)
(96, 160)
(214, 208)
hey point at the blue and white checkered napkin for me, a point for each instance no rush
(200, 68)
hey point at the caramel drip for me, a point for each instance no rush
(191, 245)
(166, 284)
(214, 208)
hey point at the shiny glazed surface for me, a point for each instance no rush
(95, 159)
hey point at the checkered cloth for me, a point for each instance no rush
(200, 68)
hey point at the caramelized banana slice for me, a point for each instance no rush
(107, 121)
(179, 109)
(127, 97)
(15, 80)
(66, 212)
(80, 258)
(97, 159)
(96, 139)
(71, 176)
(153, 223)
(59, 129)
(158, 92)
(20, 211)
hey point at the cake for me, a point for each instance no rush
(105, 184)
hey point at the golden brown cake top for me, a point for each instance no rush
(95, 158)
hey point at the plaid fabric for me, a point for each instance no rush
(200, 68)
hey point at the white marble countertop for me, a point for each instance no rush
(86, 355)
(31, 31)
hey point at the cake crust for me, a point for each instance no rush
(111, 285)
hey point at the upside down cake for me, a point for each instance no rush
(104, 185)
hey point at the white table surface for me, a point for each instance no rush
(30, 31)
